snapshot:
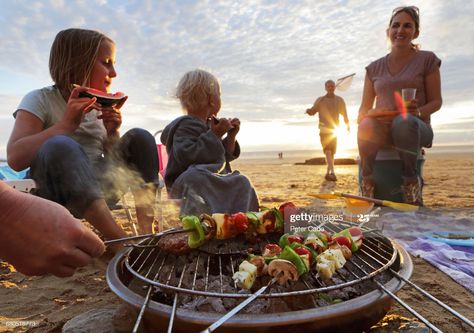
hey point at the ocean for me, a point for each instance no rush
(302, 155)
(352, 153)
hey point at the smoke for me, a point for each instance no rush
(119, 178)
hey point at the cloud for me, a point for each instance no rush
(272, 58)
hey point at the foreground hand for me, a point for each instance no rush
(39, 236)
(112, 116)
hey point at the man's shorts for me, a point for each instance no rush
(328, 141)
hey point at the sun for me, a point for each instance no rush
(345, 141)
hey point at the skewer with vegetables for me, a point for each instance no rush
(295, 255)
(224, 226)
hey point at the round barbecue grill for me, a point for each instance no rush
(144, 276)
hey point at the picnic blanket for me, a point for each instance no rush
(415, 232)
(7, 173)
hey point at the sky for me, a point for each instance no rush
(271, 58)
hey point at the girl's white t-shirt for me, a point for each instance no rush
(49, 106)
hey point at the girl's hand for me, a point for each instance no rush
(112, 117)
(235, 122)
(76, 108)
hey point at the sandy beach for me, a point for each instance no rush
(47, 303)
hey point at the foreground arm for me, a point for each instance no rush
(368, 97)
(38, 236)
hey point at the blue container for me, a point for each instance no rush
(388, 174)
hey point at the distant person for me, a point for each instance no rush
(329, 107)
(200, 147)
(406, 66)
(72, 144)
(38, 236)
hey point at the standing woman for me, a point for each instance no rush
(406, 66)
(72, 144)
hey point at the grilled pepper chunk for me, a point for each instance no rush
(289, 254)
(279, 222)
(287, 239)
(317, 241)
(313, 253)
(196, 236)
(347, 234)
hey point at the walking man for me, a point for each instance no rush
(329, 108)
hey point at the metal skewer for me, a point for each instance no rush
(407, 307)
(434, 299)
(175, 303)
(239, 307)
(159, 234)
(142, 309)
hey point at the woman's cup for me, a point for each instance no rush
(408, 94)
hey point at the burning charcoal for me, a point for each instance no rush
(230, 303)
(351, 292)
(338, 294)
(206, 304)
(193, 304)
(257, 306)
(215, 284)
(336, 279)
(213, 273)
(278, 305)
(185, 299)
(321, 302)
(301, 302)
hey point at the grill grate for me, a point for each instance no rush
(218, 260)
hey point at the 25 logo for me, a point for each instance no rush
(363, 218)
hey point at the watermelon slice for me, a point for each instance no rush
(103, 98)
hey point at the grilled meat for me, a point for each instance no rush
(176, 244)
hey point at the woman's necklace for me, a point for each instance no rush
(398, 61)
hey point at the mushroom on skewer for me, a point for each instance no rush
(285, 270)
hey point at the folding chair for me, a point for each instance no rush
(162, 163)
(17, 179)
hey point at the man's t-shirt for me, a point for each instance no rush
(329, 109)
